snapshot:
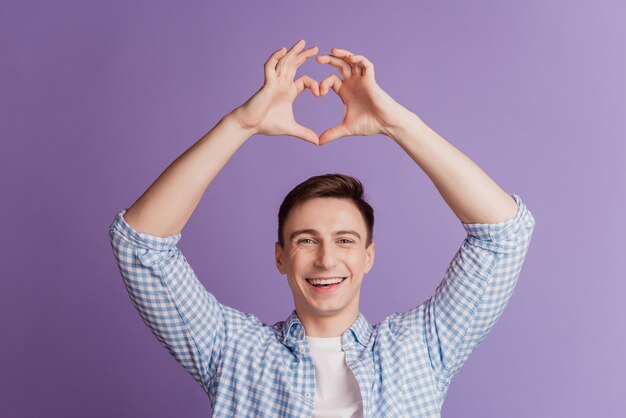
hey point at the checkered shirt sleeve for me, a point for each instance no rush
(186, 319)
(477, 285)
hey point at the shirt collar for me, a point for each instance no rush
(293, 330)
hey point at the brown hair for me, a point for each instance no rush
(327, 185)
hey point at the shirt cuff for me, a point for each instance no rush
(502, 230)
(141, 239)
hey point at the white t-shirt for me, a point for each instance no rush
(337, 393)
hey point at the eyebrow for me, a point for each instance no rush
(315, 232)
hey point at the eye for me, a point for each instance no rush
(347, 241)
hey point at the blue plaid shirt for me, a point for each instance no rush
(403, 364)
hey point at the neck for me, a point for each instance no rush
(325, 326)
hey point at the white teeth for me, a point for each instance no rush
(325, 281)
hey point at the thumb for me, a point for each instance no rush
(301, 132)
(333, 133)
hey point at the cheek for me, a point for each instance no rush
(301, 259)
(357, 259)
(298, 263)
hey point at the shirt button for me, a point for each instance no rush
(307, 395)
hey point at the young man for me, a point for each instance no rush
(325, 359)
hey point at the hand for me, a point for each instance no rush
(368, 108)
(269, 111)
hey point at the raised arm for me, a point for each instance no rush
(166, 206)
(472, 195)
(184, 317)
(482, 275)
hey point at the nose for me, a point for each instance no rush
(326, 258)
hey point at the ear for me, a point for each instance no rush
(369, 257)
(279, 257)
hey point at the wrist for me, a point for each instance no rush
(404, 120)
(395, 116)
(235, 120)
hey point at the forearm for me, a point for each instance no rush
(166, 206)
(471, 194)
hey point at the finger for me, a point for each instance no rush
(296, 48)
(304, 55)
(301, 59)
(332, 81)
(341, 53)
(345, 55)
(342, 65)
(288, 58)
(333, 133)
(307, 82)
(270, 64)
(356, 69)
(367, 68)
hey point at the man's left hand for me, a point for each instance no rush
(368, 109)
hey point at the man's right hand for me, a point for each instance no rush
(269, 111)
(164, 209)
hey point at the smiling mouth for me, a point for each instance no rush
(326, 285)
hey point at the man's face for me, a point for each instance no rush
(329, 248)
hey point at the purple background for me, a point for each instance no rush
(97, 98)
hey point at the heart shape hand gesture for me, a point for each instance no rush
(368, 109)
